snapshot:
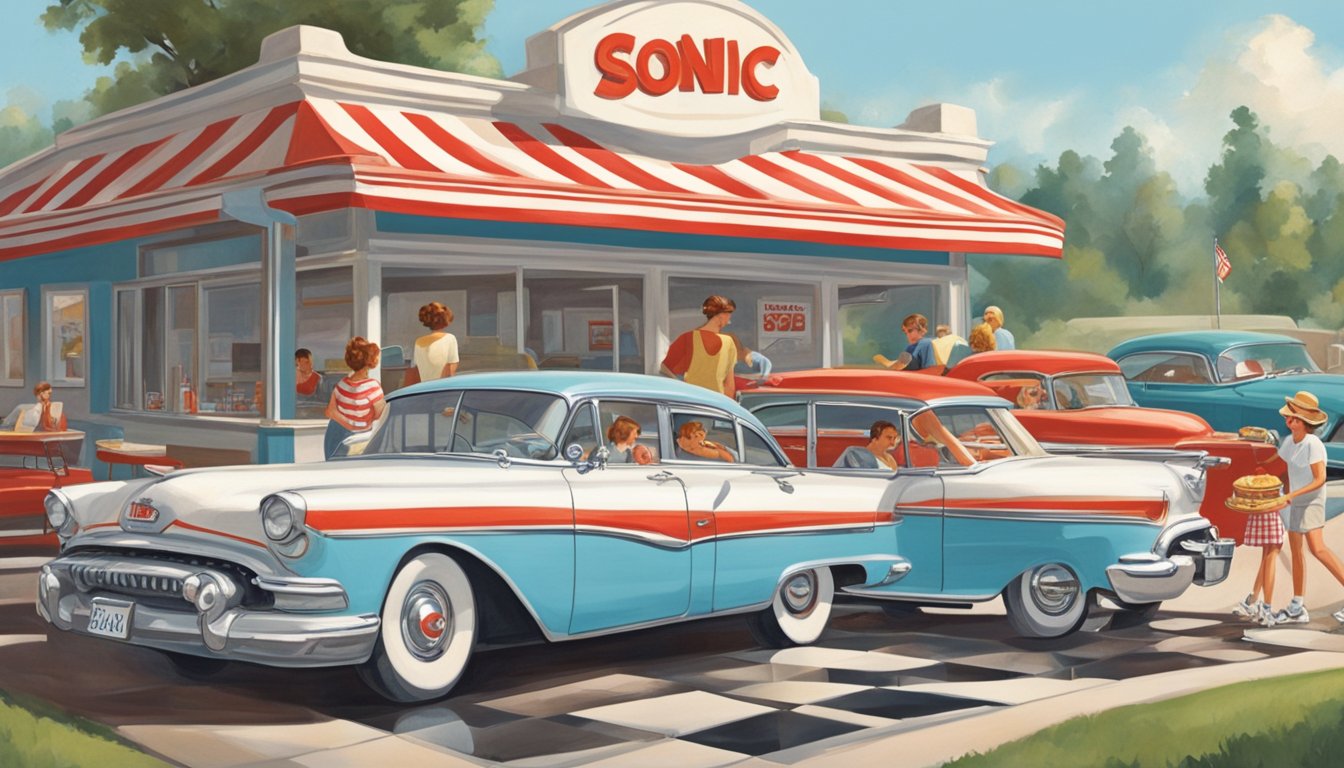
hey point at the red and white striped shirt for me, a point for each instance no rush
(355, 400)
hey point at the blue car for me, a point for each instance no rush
(1232, 379)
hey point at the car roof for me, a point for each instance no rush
(1048, 362)
(575, 385)
(915, 386)
(1208, 343)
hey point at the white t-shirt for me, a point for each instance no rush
(430, 358)
(1299, 456)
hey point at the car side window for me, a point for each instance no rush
(582, 430)
(626, 419)
(1166, 368)
(756, 449)
(704, 437)
(841, 426)
(782, 415)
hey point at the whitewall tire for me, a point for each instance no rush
(799, 612)
(1046, 601)
(428, 631)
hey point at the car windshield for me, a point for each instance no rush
(1255, 360)
(1090, 390)
(524, 425)
(967, 434)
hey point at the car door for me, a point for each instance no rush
(765, 516)
(633, 538)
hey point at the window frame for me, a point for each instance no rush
(49, 293)
(5, 351)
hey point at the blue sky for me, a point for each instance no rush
(1042, 76)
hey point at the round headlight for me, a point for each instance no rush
(282, 516)
(58, 509)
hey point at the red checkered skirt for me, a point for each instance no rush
(1264, 529)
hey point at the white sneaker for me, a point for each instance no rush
(1248, 608)
(1266, 617)
(1339, 615)
(1287, 616)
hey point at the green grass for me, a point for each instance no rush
(36, 735)
(1285, 721)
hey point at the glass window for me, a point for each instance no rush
(756, 449)
(1255, 360)
(323, 323)
(704, 437)
(172, 258)
(844, 425)
(644, 415)
(233, 333)
(1090, 390)
(781, 415)
(870, 318)
(522, 424)
(67, 320)
(1166, 368)
(960, 436)
(779, 320)
(568, 320)
(583, 430)
(11, 337)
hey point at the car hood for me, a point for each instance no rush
(1127, 426)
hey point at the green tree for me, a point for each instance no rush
(177, 44)
(1233, 185)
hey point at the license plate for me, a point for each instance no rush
(111, 618)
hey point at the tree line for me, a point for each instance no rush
(1135, 246)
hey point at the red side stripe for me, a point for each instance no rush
(1151, 509)
(247, 146)
(795, 180)
(455, 146)
(112, 172)
(65, 181)
(437, 517)
(398, 149)
(8, 205)
(906, 180)
(610, 160)
(855, 180)
(543, 154)
(714, 175)
(186, 157)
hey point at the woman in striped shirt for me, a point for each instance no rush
(357, 401)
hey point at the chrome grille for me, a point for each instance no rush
(130, 582)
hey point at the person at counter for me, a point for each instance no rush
(706, 355)
(306, 380)
(1003, 338)
(357, 401)
(918, 353)
(435, 354)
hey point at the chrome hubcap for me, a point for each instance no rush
(426, 620)
(1054, 589)
(799, 592)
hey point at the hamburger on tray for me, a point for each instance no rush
(1256, 493)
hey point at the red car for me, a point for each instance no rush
(30, 465)
(1087, 405)
(1096, 413)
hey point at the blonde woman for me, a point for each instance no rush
(982, 340)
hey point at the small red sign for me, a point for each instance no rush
(142, 512)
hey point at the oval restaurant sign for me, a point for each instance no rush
(681, 67)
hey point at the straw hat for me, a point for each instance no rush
(1306, 407)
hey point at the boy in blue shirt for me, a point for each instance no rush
(919, 353)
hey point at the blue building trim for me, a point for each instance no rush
(275, 445)
(631, 238)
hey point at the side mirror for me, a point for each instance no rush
(596, 460)
(574, 452)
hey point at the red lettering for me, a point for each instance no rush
(618, 77)
(666, 52)
(734, 67)
(714, 66)
(754, 88)
(704, 70)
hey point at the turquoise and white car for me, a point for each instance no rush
(489, 509)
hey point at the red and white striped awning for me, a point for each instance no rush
(316, 154)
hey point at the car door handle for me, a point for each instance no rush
(662, 477)
(702, 522)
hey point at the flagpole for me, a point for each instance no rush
(1217, 298)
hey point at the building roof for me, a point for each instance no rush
(321, 129)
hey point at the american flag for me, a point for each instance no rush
(1224, 265)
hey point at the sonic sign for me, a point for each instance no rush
(680, 67)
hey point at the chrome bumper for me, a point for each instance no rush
(1150, 578)
(164, 617)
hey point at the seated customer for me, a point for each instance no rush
(691, 444)
(621, 445)
(42, 416)
(1031, 397)
(877, 453)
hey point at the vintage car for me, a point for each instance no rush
(483, 510)
(982, 510)
(31, 464)
(1232, 379)
(1086, 406)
